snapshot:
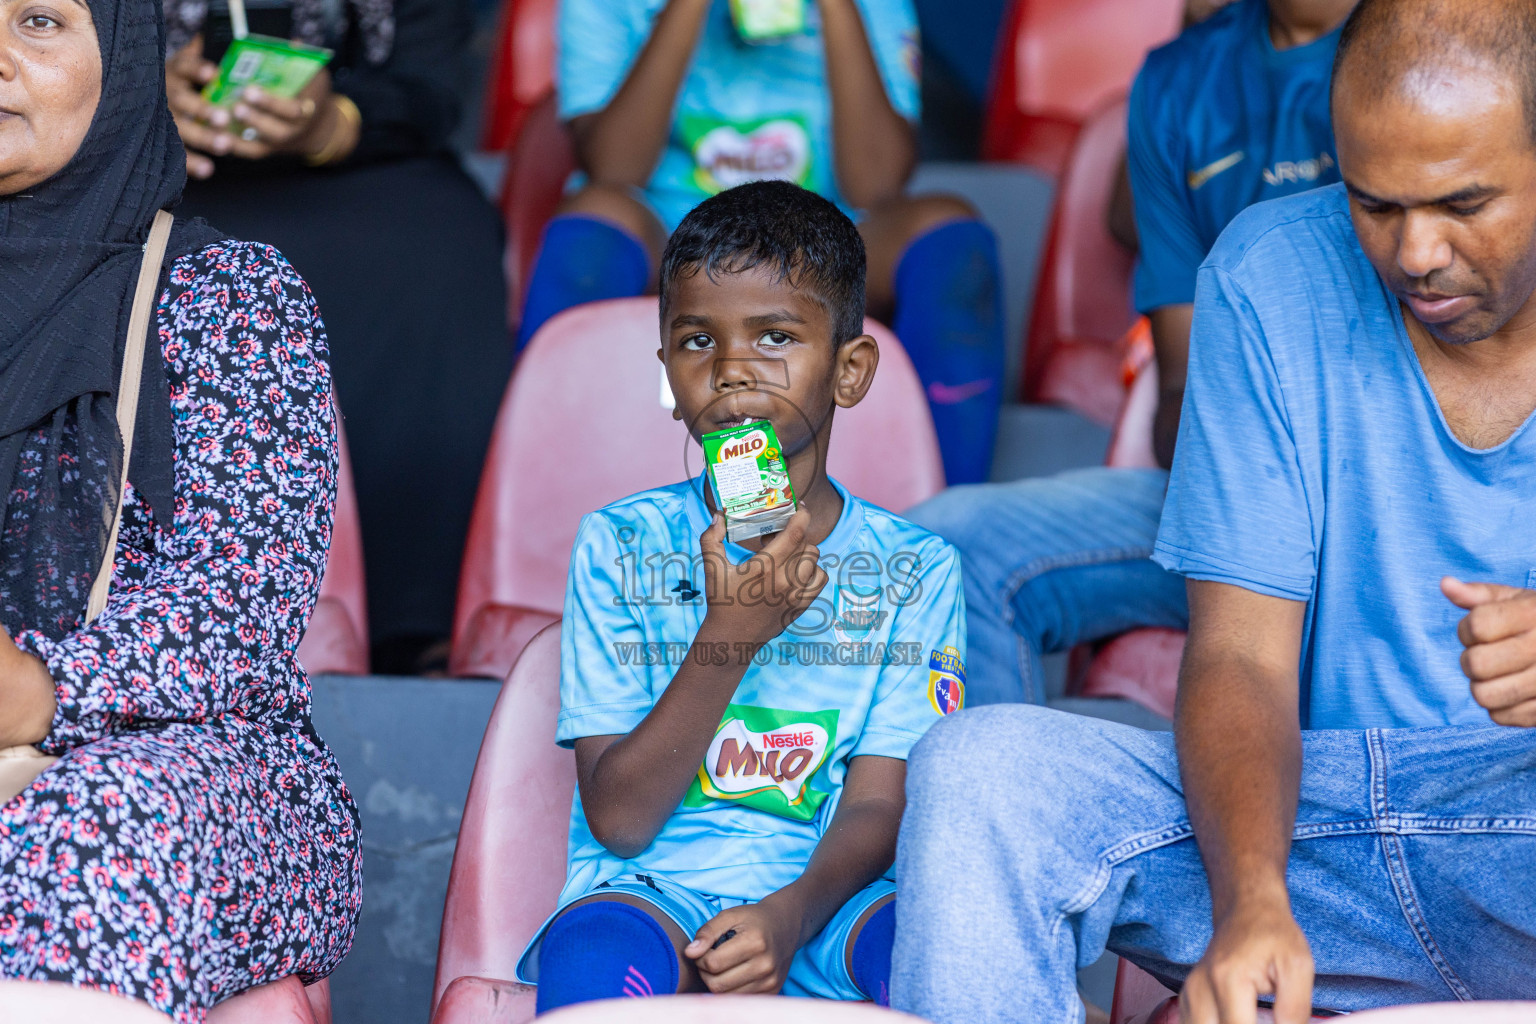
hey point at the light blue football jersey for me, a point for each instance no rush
(866, 669)
(746, 111)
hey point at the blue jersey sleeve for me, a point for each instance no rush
(914, 692)
(598, 41)
(601, 692)
(891, 28)
(1171, 250)
(1237, 509)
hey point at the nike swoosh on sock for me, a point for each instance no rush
(954, 394)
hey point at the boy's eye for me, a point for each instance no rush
(696, 342)
(1467, 209)
(774, 339)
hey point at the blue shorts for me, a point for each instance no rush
(819, 970)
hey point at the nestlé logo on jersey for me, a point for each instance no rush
(765, 758)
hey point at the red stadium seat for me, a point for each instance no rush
(583, 425)
(280, 1002)
(509, 864)
(1082, 301)
(336, 642)
(1060, 60)
(539, 160)
(522, 69)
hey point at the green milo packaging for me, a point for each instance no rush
(751, 479)
(277, 66)
(760, 21)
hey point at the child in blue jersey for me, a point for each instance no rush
(741, 714)
(667, 105)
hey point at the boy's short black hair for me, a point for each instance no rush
(807, 240)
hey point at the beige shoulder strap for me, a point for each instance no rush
(128, 391)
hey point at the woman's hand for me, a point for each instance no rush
(27, 699)
(258, 126)
(756, 958)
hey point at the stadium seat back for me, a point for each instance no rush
(336, 642)
(1082, 302)
(539, 161)
(522, 69)
(47, 1002)
(712, 1009)
(1060, 60)
(584, 424)
(509, 864)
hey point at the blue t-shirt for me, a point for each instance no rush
(1314, 464)
(1220, 120)
(745, 111)
(865, 670)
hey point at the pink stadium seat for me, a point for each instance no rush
(509, 863)
(1142, 665)
(539, 160)
(1082, 302)
(336, 642)
(522, 69)
(705, 1009)
(561, 451)
(1060, 60)
(281, 1002)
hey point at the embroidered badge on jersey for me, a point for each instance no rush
(765, 758)
(726, 155)
(946, 681)
(857, 615)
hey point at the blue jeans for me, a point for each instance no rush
(1035, 839)
(1051, 563)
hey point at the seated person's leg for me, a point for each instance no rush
(604, 243)
(1052, 563)
(609, 946)
(934, 276)
(851, 957)
(1033, 840)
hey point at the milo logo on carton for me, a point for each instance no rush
(750, 477)
(765, 758)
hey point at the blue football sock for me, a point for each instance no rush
(583, 259)
(949, 317)
(604, 950)
(872, 954)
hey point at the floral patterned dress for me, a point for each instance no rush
(196, 838)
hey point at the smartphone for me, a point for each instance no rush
(266, 18)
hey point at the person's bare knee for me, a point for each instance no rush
(624, 209)
(891, 227)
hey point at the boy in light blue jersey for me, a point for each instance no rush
(668, 103)
(741, 714)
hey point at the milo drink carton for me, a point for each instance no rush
(761, 21)
(751, 479)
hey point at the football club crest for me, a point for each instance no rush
(946, 681)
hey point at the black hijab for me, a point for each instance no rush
(70, 250)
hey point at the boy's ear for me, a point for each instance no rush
(857, 361)
(661, 357)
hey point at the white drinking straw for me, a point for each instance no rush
(237, 23)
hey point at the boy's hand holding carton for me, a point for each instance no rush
(755, 601)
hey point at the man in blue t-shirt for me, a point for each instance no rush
(672, 101)
(1232, 112)
(1338, 823)
(741, 712)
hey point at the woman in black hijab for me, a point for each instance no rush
(194, 838)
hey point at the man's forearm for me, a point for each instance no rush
(1240, 758)
(622, 143)
(874, 148)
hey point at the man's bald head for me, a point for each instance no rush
(1408, 46)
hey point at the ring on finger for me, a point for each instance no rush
(250, 134)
